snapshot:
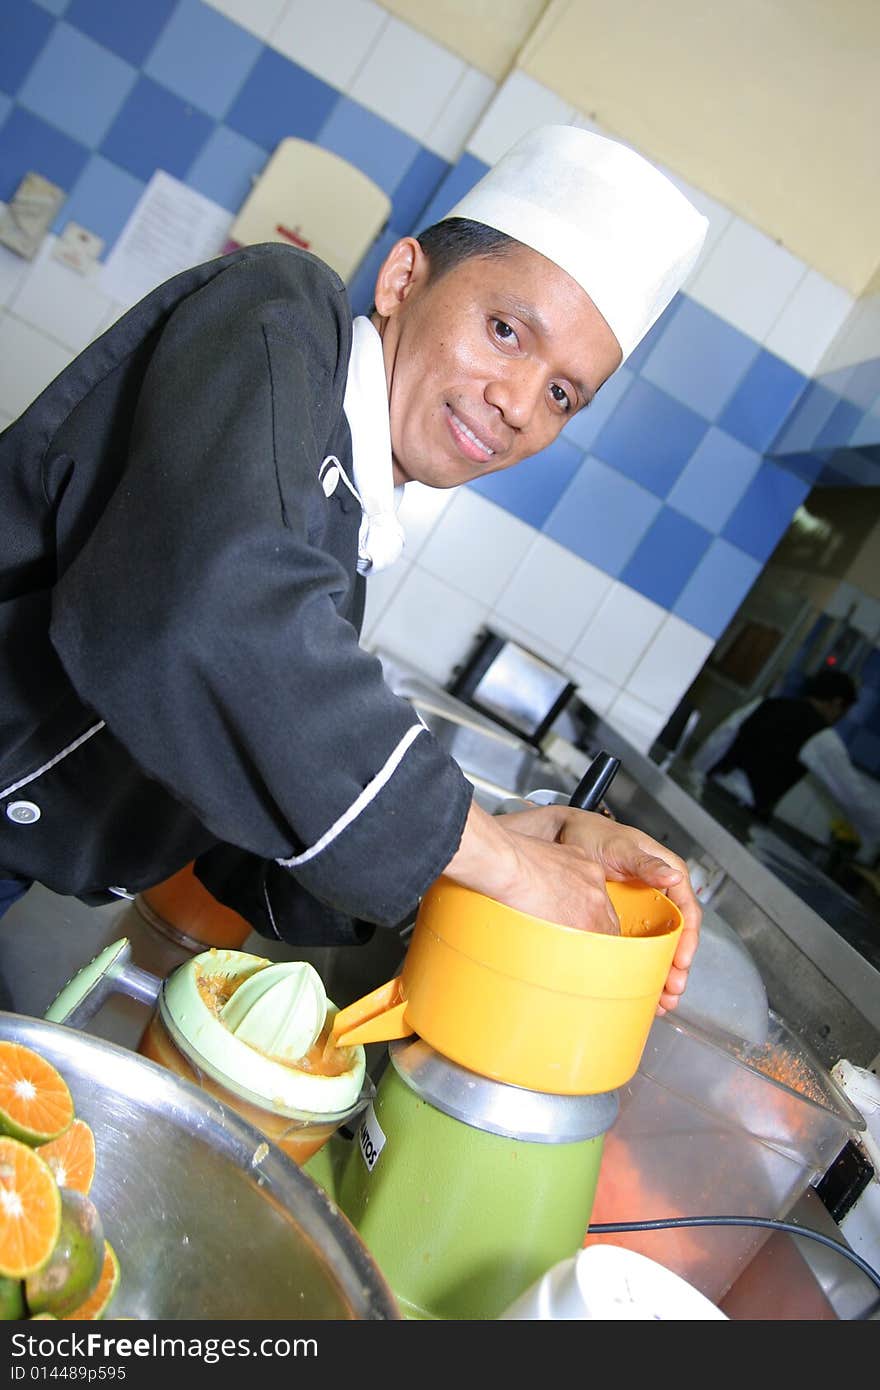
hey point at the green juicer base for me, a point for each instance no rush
(460, 1221)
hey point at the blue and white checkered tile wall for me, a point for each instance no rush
(623, 551)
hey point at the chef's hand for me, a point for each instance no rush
(553, 862)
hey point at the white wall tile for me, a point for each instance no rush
(66, 305)
(407, 78)
(809, 322)
(113, 313)
(4, 419)
(553, 593)
(521, 104)
(257, 16)
(669, 665)
(13, 269)
(747, 279)
(381, 588)
(619, 632)
(639, 723)
(593, 689)
(532, 641)
(476, 546)
(429, 624)
(419, 513)
(29, 360)
(334, 45)
(461, 112)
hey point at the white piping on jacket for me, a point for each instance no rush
(71, 748)
(361, 801)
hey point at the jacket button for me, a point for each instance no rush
(23, 812)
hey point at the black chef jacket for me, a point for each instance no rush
(179, 617)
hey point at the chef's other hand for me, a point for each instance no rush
(553, 862)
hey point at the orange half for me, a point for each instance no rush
(72, 1157)
(35, 1102)
(30, 1210)
(98, 1300)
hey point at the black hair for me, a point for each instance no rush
(832, 685)
(457, 239)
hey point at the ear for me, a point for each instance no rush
(403, 269)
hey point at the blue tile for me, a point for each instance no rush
(763, 403)
(279, 99)
(129, 30)
(583, 428)
(765, 511)
(700, 360)
(812, 468)
(807, 419)
(716, 588)
(418, 185)
(460, 180)
(363, 283)
(839, 427)
(102, 200)
(374, 146)
(642, 351)
(27, 143)
(650, 437)
(5, 107)
(666, 558)
(226, 167)
(77, 85)
(601, 516)
(56, 7)
(226, 55)
(714, 480)
(867, 431)
(531, 489)
(25, 31)
(156, 130)
(863, 386)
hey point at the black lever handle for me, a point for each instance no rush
(595, 782)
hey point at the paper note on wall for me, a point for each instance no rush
(171, 228)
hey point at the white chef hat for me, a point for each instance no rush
(602, 213)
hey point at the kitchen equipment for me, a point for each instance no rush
(466, 1189)
(519, 689)
(298, 1108)
(522, 1000)
(713, 1125)
(181, 908)
(208, 1221)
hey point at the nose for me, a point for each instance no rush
(516, 393)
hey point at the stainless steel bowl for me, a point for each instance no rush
(208, 1220)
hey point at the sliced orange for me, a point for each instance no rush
(30, 1209)
(98, 1300)
(72, 1156)
(35, 1102)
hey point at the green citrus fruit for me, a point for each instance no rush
(11, 1299)
(74, 1266)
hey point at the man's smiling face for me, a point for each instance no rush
(485, 363)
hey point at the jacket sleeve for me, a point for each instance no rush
(199, 618)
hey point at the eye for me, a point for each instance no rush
(560, 396)
(503, 331)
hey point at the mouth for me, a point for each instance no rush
(468, 441)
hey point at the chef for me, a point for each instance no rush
(188, 515)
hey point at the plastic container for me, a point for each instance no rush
(605, 1283)
(522, 1000)
(181, 908)
(711, 1125)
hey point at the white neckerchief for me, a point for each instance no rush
(381, 538)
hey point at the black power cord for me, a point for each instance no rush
(606, 1227)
